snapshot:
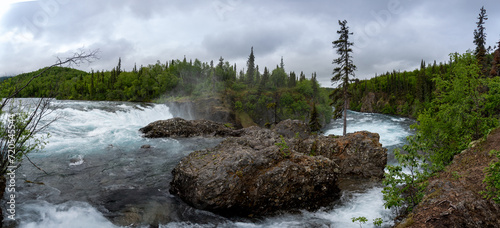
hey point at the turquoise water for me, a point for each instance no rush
(97, 171)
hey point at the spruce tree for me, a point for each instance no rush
(250, 68)
(292, 80)
(257, 75)
(480, 40)
(343, 72)
(315, 86)
(119, 67)
(420, 85)
(264, 80)
(314, 123)
(302, 76)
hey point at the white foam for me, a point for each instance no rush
(103, 124)
(69, 214)
(76, 161)
(392, 131)
(369, 204)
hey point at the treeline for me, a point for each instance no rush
(267, 97)
(397, 93)
(409, 92)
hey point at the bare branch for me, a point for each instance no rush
(35, 164)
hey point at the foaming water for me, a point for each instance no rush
(392, 130)
(69, 214)
(99, 176)
(82, 126)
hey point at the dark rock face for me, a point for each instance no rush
(178, 127)
(250, 175)
(358, 154)
(368, 102)
(289, 128)
(258, 172)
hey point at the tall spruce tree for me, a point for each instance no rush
(264, 80)
(250, 68)
(480, 40)
(343, 72)
(314, 123)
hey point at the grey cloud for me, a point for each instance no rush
(300, 31)
(236, 44)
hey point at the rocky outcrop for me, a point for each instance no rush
(178, 127)
(368, 102)
(263, 171)
(358, 154)
(253, 175)
(453, 196)
(292, 128)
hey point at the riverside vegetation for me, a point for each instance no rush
(455, 104)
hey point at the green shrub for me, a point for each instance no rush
(492, 178)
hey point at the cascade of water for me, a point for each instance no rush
(94, 157)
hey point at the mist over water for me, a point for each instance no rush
(98, 173)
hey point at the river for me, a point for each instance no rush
(97, 172)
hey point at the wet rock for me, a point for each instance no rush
(178, 127)
(137, 207)
(358, 154)
(77, 160)
(251, 175)
(147, 146)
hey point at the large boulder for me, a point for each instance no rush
(178, 127)
(358, 154)
(261, 171)
(254, 174)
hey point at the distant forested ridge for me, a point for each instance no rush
(267, 96)
(409, 92)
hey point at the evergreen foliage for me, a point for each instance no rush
(480, 40)
(314, 123)
(343, 72)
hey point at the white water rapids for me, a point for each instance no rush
(97, 172)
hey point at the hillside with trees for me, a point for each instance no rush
(266, 97)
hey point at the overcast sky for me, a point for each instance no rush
(388, 34)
